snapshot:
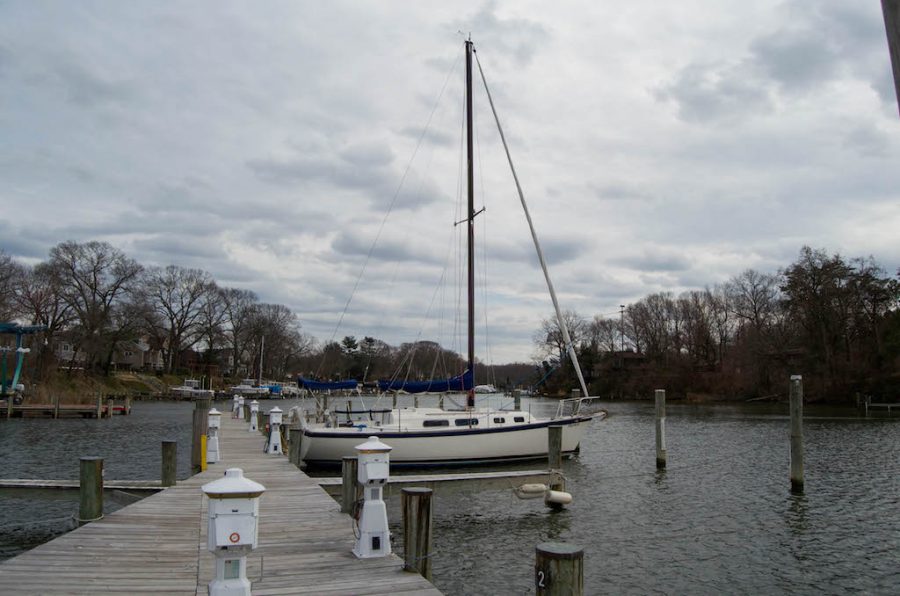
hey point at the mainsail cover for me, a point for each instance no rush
(326, 385)
(462, 382)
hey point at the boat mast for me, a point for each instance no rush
(470, 396)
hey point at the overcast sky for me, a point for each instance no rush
(662, 146)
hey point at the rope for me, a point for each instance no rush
(389, 211)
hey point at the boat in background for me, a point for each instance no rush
(191, 389)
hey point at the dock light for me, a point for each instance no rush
(235, 406)
(254, 408)
(273, 445)
(373, 472)
(214, 422)
(233, 530)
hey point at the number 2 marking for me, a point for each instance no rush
(540, 581)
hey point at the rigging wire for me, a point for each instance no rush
(391, 206)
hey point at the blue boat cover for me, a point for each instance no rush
(462, 382)
(326, 385)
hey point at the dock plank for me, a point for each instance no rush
(158, 544)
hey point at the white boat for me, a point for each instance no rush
(248, 389)
(191, 388)
(434, 436)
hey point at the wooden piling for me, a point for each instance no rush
(9, 406)
(796, 433)
(169, 463)
(517, 399)
(557, 481)
(416, 506)
(558, 569)
(56, 406)
(127, 411)
(200, 428)
(90, 491)
(349, 482)
(295, 436)
(660, 429)
(247, 413)
(261, 421)
(99, 407)
(109, 407)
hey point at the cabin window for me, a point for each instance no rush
(436, 423)
(519, 418)
(466, 421)
(499, 420)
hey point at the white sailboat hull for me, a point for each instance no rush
(423, 447)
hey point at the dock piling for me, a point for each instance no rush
(169, 463)
(416, 506)
(295, 436)
(56, 406)
(558, 569)
(99, 407)
(554, 462)
(349, 485)
(109, 407)
(796, 434)
(200, 428)
(660, 429)
(90, 492)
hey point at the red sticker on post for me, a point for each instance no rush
(235, 537)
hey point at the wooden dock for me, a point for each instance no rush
(158, 545)
(57, 410)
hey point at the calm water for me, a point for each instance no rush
(721, 519)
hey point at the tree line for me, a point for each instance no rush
(95, 298)
(833, 320)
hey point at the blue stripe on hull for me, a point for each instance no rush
(445, 433)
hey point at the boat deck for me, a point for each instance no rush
(158, 545)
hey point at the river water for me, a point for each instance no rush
(720, 519)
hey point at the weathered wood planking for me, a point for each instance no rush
(158, 544)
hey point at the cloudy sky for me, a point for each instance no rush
(662, 146)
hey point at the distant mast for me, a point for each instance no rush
(470, 396)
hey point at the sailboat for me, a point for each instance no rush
(468, 435)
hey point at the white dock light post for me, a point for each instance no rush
(374, 470)
(254, 408)
(214, 423)
(274, 444)
(233, 530)
(240, 406)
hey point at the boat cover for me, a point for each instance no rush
(326, 385)
(461, 382)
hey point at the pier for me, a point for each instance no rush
(159, 544)
(100, 409)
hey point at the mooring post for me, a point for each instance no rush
(295, 436)
(90, 491)
(200, 428)
(247, 413)
(558, 569)
(261, 421)
(56, 406)
(169, 463)
(554, 462)
(517, 399)
(109, 407)
(127, 405)
(416, 505)
(99, 407)
(9, 406)
(349, 484)
(660, 429)
(797, 433)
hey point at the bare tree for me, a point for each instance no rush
(92, 277)
(239, 310)
(39, 299)
(10, 273)
(176, 297)
(549, 339)
(604, 334)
